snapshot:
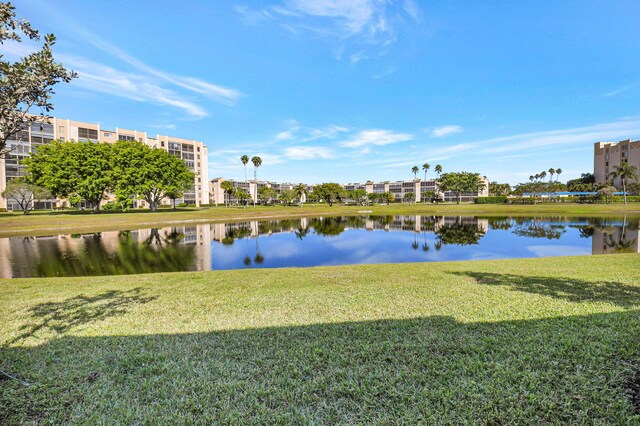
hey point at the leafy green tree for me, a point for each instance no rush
(415, 171)
(329, 192)
(312, 197)
(148, 172)
(585, 183)
(300, 192)
(425, 167)
(607, 192)
(67, 168)
(498, 189)
(27, 83)
(25, 194)
(267, 194)
(360, 197)
(409, 197)
(245, 159)
(625, 172)
(287, 197)
(460, 182)
(242, 196)
(227, 187)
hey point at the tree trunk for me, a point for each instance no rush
(153, 206)
(174, 203)
(624, 190)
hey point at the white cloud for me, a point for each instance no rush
(617, 91)
(308, 153)
(439, 132)
(101, 78)
(367, 22)
(300, 133)
(376, 137)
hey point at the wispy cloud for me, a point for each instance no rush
(150, 84)
(308, 153)
(439, 132)
(298, 133)
(366, 22)
(618, 91)
(376, 137)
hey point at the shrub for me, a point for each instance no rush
(191, 205)
(3, 210)
(182, 205)
(110, 206)
(496, 199)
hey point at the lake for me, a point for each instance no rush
(314, 241)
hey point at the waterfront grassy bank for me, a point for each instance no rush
(47, 223)
(502, 342)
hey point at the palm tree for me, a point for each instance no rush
(558, 171)
(257, 162)
(245, 160)
(552, 172)
(625, 171)
(531, 178)
(543, 175)
(425, 167)
(415, 171)
(300, 190)
(438, 169)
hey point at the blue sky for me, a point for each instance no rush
(354, 90)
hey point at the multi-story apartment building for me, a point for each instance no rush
(607, 155)
(28, 139)
(399, 189)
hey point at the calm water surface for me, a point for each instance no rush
(313, 242)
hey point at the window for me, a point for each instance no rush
(139, 139)
(42, 127)
(61, 129)
(107, 134)
(198, 149)
(162, 144)
(87, 133)
(62, 138)
(126, 138)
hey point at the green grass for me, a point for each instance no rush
(47, 223)
(538, 341)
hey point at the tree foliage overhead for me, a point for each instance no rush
(27, 83)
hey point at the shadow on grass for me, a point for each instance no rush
(60, 317)
(432, 370)
(569, 289)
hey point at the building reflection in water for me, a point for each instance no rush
(194, 248)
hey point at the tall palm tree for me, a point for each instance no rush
(552, 172)
(245, 160)
(531, 178)
(415, 171)
(558, 171)
(257, 162)
(425, 167)
(625, 172)
(543, 175)
(438, 169)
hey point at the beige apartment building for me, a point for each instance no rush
(607, 155)
(398, 189)
(192, 152)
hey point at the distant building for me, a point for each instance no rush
(398, 189)
(608, 155)
(28, 139)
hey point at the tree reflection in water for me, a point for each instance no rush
(156, 253)
(540, 230)
(458, 233)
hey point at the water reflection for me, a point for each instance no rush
(312, 242)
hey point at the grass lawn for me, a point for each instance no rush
(47, 223)
(536, 341)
